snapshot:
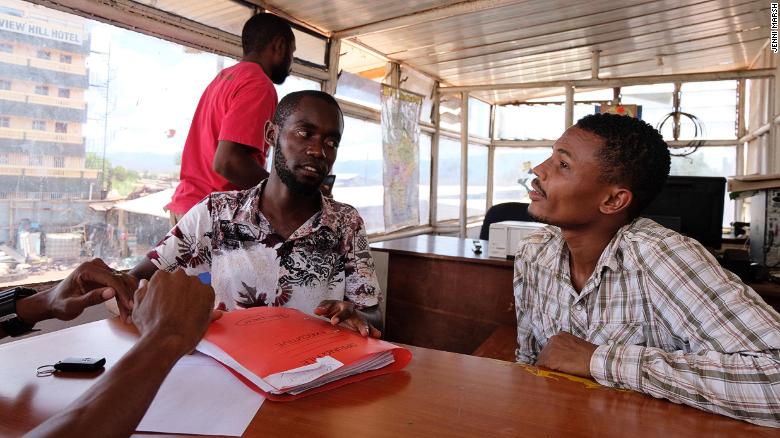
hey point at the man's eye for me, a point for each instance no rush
(564, 165)
(332, 143)
(303, 133)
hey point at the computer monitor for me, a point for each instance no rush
(693, 206)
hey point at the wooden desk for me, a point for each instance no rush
(438, 394)
(441, 295)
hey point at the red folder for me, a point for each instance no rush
(287, 354)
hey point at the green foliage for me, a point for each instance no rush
(118, 178)
(94, 161)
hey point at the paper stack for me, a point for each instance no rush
(286, 353)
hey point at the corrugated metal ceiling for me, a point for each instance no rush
(542, 40)
(505, 41)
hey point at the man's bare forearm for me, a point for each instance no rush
(143, 270)
(236, 163)
(122, 394)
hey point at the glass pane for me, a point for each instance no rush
(109, 120)
(425, 178)
(714, 104)
(358, 171)
(227, 15)
(530, 122)
(419, 83)
(449, 112)
(656, 101)
(582, 109)
(512, 164)
(310, 48)
(710, 161)
(448, 189)
(600, 95)
(357, 89)
(295, 83)
(477, 188)
(479, 118)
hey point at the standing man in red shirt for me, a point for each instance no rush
(225, 149)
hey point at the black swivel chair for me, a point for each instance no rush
(508, 211)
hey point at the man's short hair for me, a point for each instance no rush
(290, 103)
(261, 29)
(634, 153)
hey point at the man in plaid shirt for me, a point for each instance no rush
(603, 293)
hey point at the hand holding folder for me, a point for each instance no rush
(286, 353)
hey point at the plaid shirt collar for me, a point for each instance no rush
(611, 258)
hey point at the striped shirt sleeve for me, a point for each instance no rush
(731, 363)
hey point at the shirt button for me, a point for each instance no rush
(578, 307)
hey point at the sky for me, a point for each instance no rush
(154, 87)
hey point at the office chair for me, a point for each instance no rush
(508, 211)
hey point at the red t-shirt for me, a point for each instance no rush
(235, 107)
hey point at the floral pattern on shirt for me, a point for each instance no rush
(251, 265)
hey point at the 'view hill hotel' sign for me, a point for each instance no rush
(40, 29)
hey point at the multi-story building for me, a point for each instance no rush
(43, 80)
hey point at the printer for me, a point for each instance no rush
(504, 237)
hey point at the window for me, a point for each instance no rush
(5, 122)
(476, 198)
(657, 101)
(417, 82)
(43, 90)
(425, 178)
(35, 160)
(530, 122)
(66, 59)
(5, 159)
(295, 83)
(6, 48)
(358, 171)
(357, 89)
(511, 165)
(479, 118)
(138, 127)
(715, 106)
(5, 84)
(449, 112)
(448, 192)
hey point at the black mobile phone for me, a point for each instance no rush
(329, 180)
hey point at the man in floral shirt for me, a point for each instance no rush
(282, 243)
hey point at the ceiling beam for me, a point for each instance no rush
(465, 7)
(619, 82)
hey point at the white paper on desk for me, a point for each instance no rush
(201, 397)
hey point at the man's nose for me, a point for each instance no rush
(316, 149)
(539, 170)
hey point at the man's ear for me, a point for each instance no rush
(618, 201)
(279, 46)
(270, 133)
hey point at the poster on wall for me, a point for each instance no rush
(401, 152)
(623, 110)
